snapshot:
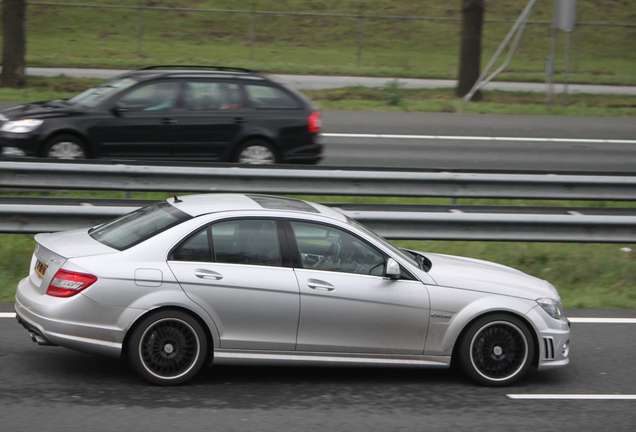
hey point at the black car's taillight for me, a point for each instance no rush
(315, 122)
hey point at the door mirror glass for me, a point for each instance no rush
(120, 108)
(392, 269)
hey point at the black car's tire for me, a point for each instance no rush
(65, 147)
(256, 152)
(168, 347)
(496, 350)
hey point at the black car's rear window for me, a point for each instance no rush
(138, 226)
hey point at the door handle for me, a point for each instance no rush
(239, 120)
(168, 121)
(319, 285)
(207, 274)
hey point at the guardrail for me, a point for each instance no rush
(554, 224)
(315, 181)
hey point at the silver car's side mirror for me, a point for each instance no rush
(392, 269)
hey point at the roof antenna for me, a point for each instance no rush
(177, 200)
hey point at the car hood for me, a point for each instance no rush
(484, 276)
(37, 110)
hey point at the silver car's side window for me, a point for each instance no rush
(247, 241)
(323, 247)
(196, 249)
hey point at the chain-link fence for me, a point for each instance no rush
(111, 34)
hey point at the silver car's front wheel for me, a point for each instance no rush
(496, 350)
(65, 147)
(168, 348)
(256, 152)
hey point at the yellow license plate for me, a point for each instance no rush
(40, 268)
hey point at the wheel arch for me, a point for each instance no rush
(257, 136)
(512, 313)
(206, 328)
(58, 132)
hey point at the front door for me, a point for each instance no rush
(346, 303)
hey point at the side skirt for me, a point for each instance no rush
(288, 358)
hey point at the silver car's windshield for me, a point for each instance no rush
(96, 95)
(402, 254)
(138, 226)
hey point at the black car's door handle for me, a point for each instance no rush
(239, 120)
(168, 121)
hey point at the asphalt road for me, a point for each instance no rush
(55, 389)
(478, 141)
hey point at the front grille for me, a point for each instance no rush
(548, 344)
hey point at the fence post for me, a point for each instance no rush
(359, 41)
(139, 28)
(252, 25)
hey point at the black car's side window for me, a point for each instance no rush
(161, 96)
(210, 95)
(323, 247)
(196, 248)
(266, 97)
(247, 241)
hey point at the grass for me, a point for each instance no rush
(73, 36)
(599, 276)
(390, 98)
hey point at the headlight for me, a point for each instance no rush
(552, 307)
(21, 126)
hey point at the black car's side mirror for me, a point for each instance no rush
(119, 108)
(392, 269)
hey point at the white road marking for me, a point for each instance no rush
(7, 314)
(479, 138)
(573, 396)
(603, 320)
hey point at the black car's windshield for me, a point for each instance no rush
(96, 95)
(138, 226)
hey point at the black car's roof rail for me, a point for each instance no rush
(218, 68)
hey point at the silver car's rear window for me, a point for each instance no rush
(138, 226)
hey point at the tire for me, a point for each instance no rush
(496, 350)
(168, 348)
(65, 147)
(256, 152)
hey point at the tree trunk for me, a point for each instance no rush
(470, 55)
(13, 43)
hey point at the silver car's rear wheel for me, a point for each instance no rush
(168, 348)
(497, 350)
(65, 147)
(256, 152)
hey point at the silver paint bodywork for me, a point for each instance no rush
(280, 315)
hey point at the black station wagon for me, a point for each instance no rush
(171, 113)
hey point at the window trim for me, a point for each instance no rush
(297, 261)
(285, 255)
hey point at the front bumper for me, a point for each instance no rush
(553, 339)
(27, 143)
(76, 322)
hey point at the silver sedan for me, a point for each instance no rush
(243, 279)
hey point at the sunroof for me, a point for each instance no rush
(279, 203)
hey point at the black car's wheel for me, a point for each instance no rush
(65, 147)
(496, 350)
(256, 152)
(168, 348)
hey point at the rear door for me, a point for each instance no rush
(211, 119)
(236, 270)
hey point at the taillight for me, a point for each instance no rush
(315, 123)
(67, 283)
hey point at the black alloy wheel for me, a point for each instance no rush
(168, 348)
(497, 350)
